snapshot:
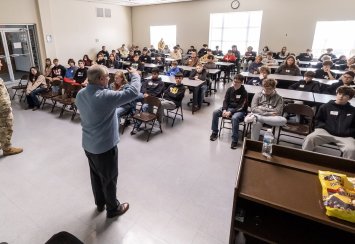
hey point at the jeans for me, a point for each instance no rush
(199, 94)
(236, 119)
(32, 99)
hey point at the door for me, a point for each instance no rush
(16, 53)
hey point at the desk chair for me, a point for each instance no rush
(298, 128)
(20, 87)
(146, 117)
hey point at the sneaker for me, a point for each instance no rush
(234, 145)
(11, 151)
(250, 118)
(213, 136)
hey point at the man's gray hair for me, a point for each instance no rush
(95, 72)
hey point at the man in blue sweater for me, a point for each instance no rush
(97, 106)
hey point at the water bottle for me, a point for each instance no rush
(267, 143)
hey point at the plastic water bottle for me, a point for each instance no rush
(267, 143)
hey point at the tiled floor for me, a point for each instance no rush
(179, 184)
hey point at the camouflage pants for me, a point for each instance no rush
(6, 130)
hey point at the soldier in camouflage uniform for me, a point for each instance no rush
(6, 121)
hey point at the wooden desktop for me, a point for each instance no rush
(280, 201)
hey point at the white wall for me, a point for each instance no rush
(75, 28)
(288, 23)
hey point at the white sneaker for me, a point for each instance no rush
(250, 118)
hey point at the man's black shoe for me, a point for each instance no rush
(100, 208)
(119, 211)
(213, 136)
(234, 145)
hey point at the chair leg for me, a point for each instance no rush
(151, 129)
(176, 112)
(13, 97)
(182, 115)
(221, 126)
(53, 106)
(43, 102)
(62, 111)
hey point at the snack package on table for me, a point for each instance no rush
(338, 195)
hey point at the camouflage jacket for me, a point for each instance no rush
(5, 103)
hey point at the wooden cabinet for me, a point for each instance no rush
(280, 201)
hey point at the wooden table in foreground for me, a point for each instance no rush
(280, 200)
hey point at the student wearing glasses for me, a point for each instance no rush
(347, 79)
(235, 105)
(335, 123)
(266, 108)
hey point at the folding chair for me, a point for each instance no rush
(298, 128)
(147, 117)
(174, 113)
(67, 99)
(20, 87)
(228, 121)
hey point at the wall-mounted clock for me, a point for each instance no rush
(235, 4)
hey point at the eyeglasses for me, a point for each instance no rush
(347, 77)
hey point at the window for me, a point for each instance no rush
(328, 34)
(167, 32)
(241, 29)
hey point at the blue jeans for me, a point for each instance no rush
(236, 119)
(32, 99)
(199, 94)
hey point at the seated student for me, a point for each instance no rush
(152, 51)
(266, 107)
(130, 56)
(264, 51)
(176, 54)
(192, 61)
(248, 58)
(137, 51)
(123, 51)
(112, 62)
(257, 81)
(254, 66)
(120, 83)
(166, 50)
(104, 53)
(48, 69)
(269, 60)
(191, 49)
(324, 72)
(81, 74)
(341, 60)
(116, 54)
(328, 53)
(87, 60)
(283, 54)
(180, 49)
(335, 123)
(229, 57)
(174, 69)
(58, 73)
(289, 67)
(70, 72)
(352, 68)
(210, 63)
(217, 52)
(173, 95)
(235, 106)
(100, 59)
(204, 58)
(199, 92)
(203, 50)
(36, 84)
(145, 58)
(306, 84)
(347, 79)
(136, 63)
(159, 59)
(350, 62)
(153, 86)
(307, 56)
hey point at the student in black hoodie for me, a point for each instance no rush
(173, 95)
(324, 72)
(335, 123)
(203, 50)
(306, 84)
(235, 106)
(145, 58)
(347, 79)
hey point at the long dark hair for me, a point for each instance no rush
(33, 77)
(50, 63)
